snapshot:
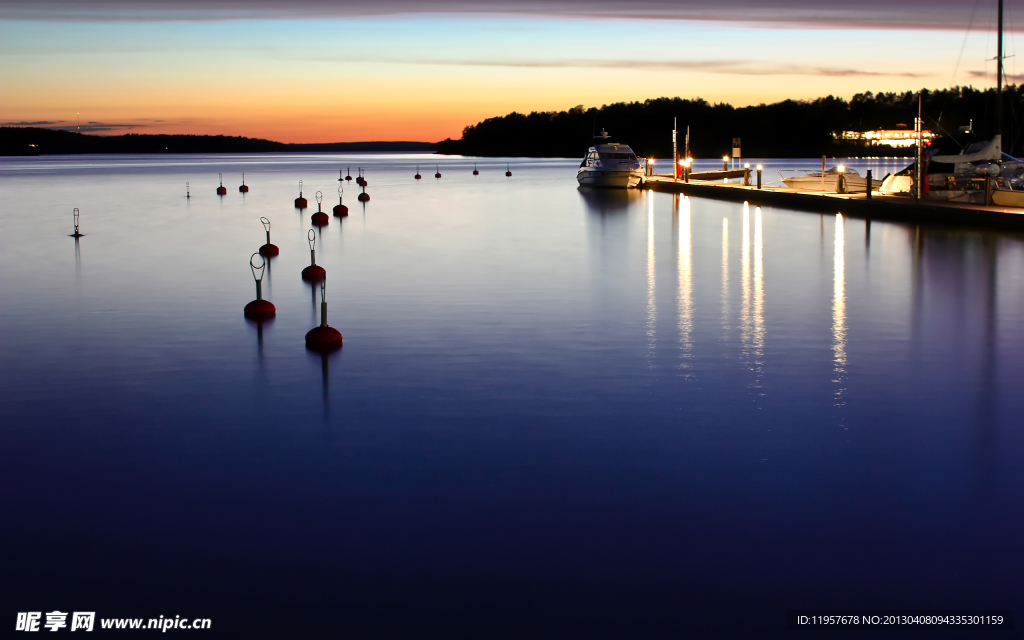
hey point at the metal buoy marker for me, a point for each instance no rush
(348, 174)
(340, 209)
(320, 219)
(221, 190)
(314, 272)
(269, 250)
(418, 176)
(475, 172)
(243, 188)
(325, 337)
(187, 194)
(363, 197)
(508, 171)
(341, 178)
(360, 180)
(300, 202)
(77, 233)
(259, 309)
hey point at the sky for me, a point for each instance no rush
(341, 70)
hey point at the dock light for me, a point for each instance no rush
(725, 163)
(840, 168)
(759, 167)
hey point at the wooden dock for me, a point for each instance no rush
(878, 207)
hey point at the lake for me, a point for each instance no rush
(557, 412)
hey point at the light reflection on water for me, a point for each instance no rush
(503, 428)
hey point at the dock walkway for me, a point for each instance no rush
(901, 208)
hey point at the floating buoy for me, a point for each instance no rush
(341, 178)
(364, 197)
(508, 171)
(221, 190)
(269, 250)
(300, 202)
(475, 172)
(187, 194)
(314, 272)
(259, 309)
(438, 169)
(340, 210)
(243, 188)
(324, 338)
(417, 176)
(76, 234)
(320, 219)
(348, 174)
(360, 180)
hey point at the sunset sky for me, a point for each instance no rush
(323, 71)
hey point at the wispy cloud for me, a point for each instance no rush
(733, 67)
(34, 123)
(86, 127)
(875, 14)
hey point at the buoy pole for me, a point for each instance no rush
(187, 194)
(75, 214)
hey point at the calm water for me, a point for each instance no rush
(557, 413)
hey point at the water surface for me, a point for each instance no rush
(557, 413)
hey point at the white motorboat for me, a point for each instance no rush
(610, 164)
(838, 179)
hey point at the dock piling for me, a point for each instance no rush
(869, 184)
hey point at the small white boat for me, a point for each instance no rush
(838, 179)
(610, 164)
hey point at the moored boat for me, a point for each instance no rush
(838, 179)
(610, 164)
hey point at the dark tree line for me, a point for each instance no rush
(37, 140)
(791, 128)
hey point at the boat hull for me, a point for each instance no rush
(610, 179)
(852, 184)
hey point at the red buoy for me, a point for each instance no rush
(268, 250)
(475, 172)
(243, 188)
(438, 174)
(320, 219)
(360, 180)
(221, 190)
(417, 176)
(508, 172)
(364, 197)
(348, 174)
(300, 202)
(259, 309)
(340, 210)
(313, 273)
(323, 338)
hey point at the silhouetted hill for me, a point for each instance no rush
(17, 141)
(789, 128)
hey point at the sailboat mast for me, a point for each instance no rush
(999, 73)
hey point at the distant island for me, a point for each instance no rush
(23, 141)
(787, 129)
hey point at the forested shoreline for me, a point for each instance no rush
(791, 128)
